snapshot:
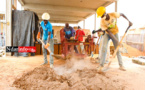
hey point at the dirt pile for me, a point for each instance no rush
(132, 52)
(69, 78)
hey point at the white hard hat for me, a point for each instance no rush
(45, 16)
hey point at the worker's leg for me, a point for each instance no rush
(51, 47)
(82, 48)
(75, 48)
(100, 46)
(118, 52)
(108, 52)
(69, 48)
(44, 52)
(106, 38)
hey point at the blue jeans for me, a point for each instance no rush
(106, 38)
(51, 47)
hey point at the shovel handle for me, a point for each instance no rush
(47, 48)
(114, 54)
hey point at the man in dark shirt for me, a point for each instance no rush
(69, 32)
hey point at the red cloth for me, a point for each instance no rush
(79, 34)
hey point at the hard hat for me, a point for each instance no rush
(100, 11)
(45, 16)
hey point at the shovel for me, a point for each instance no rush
(114, 54)
(51, 53)
(92, 53)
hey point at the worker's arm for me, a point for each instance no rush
(99, 30)
(49, 32)
(49, 35)
(130, 23)
(107, 30)
(39, 32)
(73, 32)
(112, 36)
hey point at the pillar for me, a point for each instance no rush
(8, 24)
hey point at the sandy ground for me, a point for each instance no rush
(26, 73)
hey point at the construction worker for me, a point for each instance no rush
(100, 35)
(69, 34)
(108, 24)
(79, 36)
(47, 37)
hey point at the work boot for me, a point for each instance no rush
(99, 69)
(51, 65)
(122, 68)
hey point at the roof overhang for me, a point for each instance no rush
(62, 11)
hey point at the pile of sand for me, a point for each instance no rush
(132, 52)
(69, 77)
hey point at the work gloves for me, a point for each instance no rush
(93, 31)
(99, 30)
(47, 45)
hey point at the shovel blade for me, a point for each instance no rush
(58, 56)
(105, 69)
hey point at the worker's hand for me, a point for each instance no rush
(93, 31)
(38, 37)
(47, 45)
(130, 23)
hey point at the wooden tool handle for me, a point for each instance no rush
(114, 54)
(44, 45)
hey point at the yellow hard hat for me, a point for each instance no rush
(100, 11)
(45, 16)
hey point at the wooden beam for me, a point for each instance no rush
(71, 22)
(63, 17)
(57, 8)
(21, 2)
(89, 15)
